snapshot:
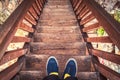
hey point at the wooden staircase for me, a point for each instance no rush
(60, 28)
(57, 34)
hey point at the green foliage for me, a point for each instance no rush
(100, 31)
(117, 15)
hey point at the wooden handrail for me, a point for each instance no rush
(110, 74)
(24, 18)
(106, 55)
(11, 24)
(111, 26)
(94, 11)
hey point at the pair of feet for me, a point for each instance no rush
(70, 68)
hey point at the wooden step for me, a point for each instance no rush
(58, 23)
(58, 0)
(52, 26)
(58, 29)
(67, 23)
(57, 38)
(61, 52)
(58, 7)
(87, 76)
(60, 12)
(38, 75)
(55, 46)
(31, 75)
(57, 10)
(57, 18)
(38, 62)
(58, 3)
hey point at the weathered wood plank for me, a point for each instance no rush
(26, 27)
(37, 2)
(83, 10)
(109, 73)
(78, 5)
(91, 27)
(30, 19)
(20, 39)
(75, 3)
(33, 13)
(36, 8)
(10, 72)
(12, 55)
(80, 9)
(87, 19)
(40, 3)
(99, 39)
(106, 55)
(84, 13)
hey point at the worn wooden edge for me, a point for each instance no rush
(11, 71)
(91, 27)
(20, 39)
(107, 72)
(36, 9)
(32, 12)
(84, 13)
(80, 9)
(74, 3)
(87, 19)
(25, 27)
(104, 39)
(107, 55)
(78, 5)
(10, 55)
(83, 10)
(30, 19)
(38, 5)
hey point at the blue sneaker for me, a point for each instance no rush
(71, 68)
(52, 66)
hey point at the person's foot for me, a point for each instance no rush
(52, 66)
(70, 69)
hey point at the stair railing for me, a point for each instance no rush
(28, 11)
(89, 10)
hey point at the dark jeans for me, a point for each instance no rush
(54, 77)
